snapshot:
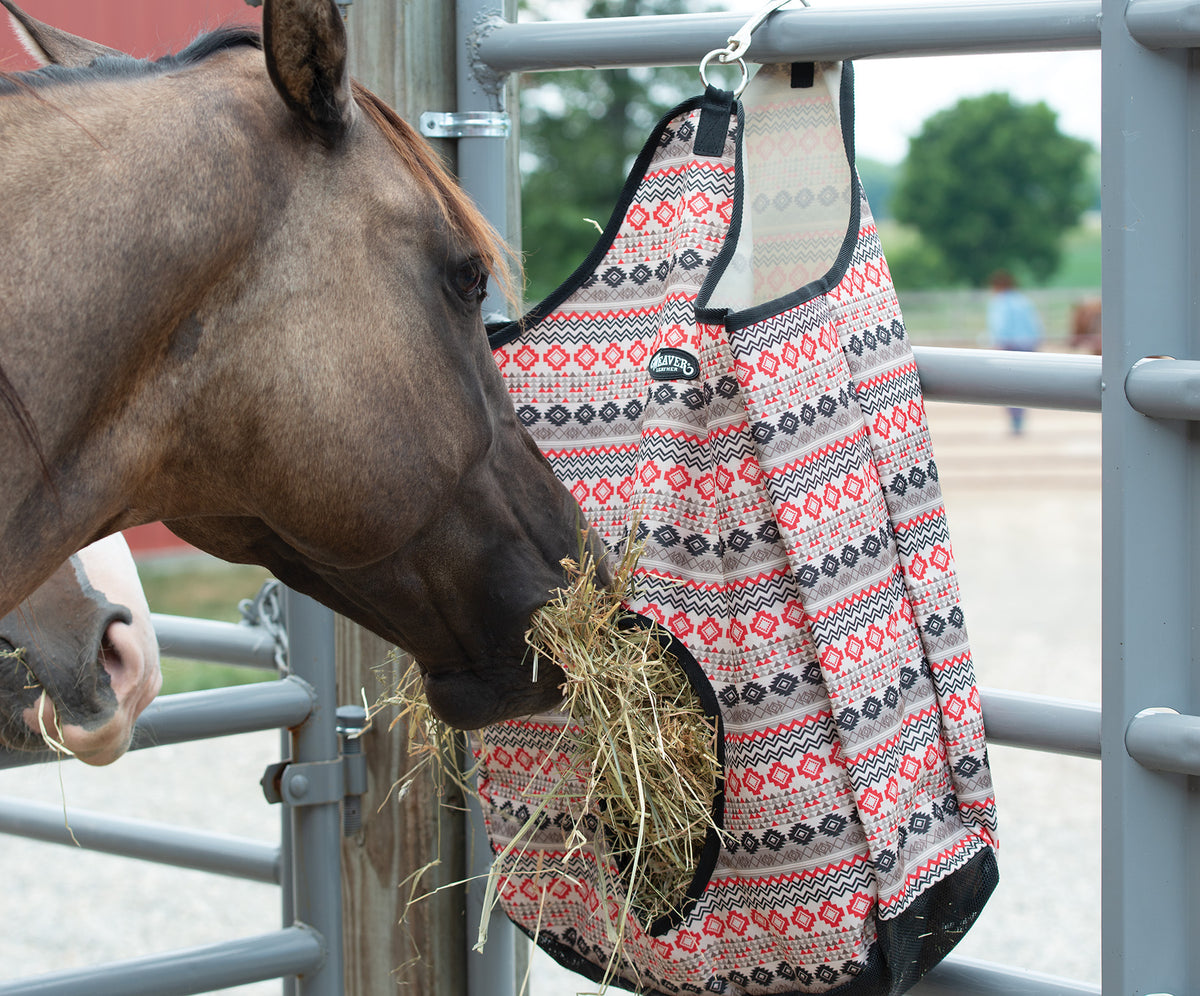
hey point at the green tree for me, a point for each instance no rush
(993, 184)
(580, 132)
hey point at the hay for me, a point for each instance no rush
(642, 745)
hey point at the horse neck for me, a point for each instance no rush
(126, 206)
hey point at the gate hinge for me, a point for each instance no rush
(466, 124)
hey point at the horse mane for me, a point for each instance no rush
(111, 67)
(466, 222)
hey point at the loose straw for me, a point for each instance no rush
(643, 751)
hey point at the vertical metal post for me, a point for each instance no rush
(286, 873)
(484, 170)
(316, 829)
(1150, 819)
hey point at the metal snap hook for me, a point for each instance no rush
(726, 57)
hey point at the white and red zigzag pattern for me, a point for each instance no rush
(796, 543)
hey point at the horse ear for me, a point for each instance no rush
(50, 46)
(305, 46)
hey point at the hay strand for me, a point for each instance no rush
(639, 741)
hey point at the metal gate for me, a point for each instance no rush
(1147, 388)
(294, 634)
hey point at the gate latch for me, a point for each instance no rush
(319, 783)
(466, 124)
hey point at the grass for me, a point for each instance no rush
(958, 316)
(207, 589)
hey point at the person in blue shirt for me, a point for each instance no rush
(1012, 324)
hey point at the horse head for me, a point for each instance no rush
(78, 658)
(283, 354)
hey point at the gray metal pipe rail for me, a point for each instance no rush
(812, 33)
(146, 840)
(1164, 388)
(1041, 722)
(1163, 740)
(214, 641)
(290, 951)
(1164, 23)
(958, 976)
(1001, 377)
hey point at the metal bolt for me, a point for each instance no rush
(297, 786)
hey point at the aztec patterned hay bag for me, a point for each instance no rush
(728, 378)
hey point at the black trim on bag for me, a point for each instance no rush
(734, 320)
(502, 334)
(711, 850)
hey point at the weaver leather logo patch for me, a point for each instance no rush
(673, 364)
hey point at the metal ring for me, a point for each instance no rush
(727, 58)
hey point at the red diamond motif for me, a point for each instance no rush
(788, 515)
(664, 214)
(768, 363)
(750, 472)
(859, 905)
(910, 767)
(678, 478)
(586, 357)
(764, 624)
(737, 632)
(811, 766)
(613, 354)
(831, 913)
(680, 625)
(526, 357)
(637, 217)
(637, 352)
(699, 204)
(803, 918)
(780, 775)
(603, 490)
(710, 631)
(580, 491)
(556, 357)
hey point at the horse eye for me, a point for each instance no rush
(470, 280)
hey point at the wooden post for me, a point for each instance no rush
(405, 53)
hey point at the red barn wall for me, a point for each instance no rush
(145, 28)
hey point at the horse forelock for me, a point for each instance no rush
(466, 222)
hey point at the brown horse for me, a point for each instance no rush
(78, 658)
(238, 293)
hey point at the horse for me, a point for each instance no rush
(1085, 326)
(238, 293)
(79, 658)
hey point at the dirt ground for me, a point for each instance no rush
(1025, 522)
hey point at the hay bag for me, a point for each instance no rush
(728, 378)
